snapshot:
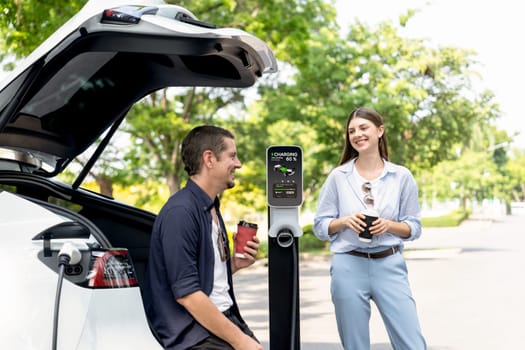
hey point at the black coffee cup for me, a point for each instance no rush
(371, 215)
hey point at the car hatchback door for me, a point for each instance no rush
(87, 74)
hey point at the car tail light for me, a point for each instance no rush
(111, 268)
(127, 14)
(113, 16)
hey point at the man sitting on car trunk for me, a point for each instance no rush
(188, 291)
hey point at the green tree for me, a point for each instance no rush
(158, 124)
(472, 177)
(433, 115)
(516, 171)
(24, 24)
(424, 93)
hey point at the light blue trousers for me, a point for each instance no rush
(355, 281)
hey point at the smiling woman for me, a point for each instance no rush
(368, 207)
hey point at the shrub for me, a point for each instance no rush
(309, 242)
(263, 250)
(450, 220)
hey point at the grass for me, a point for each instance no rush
(452, 219)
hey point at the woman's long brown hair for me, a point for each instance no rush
(349, 152)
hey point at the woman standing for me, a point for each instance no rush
(370, 270)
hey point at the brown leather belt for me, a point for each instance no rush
(378, 255)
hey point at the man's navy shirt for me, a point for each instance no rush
(181, 262)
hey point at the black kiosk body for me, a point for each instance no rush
(284, 189)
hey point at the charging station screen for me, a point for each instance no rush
(284, 176)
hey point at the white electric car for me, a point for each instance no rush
(71, 260)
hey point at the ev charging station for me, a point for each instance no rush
(284, 191)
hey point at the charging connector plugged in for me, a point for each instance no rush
(69, 255)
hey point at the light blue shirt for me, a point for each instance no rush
(395, 194)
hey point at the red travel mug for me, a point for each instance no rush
(245, 232)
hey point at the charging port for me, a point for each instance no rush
(74, 270)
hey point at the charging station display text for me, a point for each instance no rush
(284, 176)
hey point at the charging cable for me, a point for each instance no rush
(68, 255)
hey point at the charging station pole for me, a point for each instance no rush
(284, 189)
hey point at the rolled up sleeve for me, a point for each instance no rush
(327, 210)
(409, 209)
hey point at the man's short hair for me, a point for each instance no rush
(200, 139)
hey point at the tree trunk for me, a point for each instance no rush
(173, 183)
(105, 185)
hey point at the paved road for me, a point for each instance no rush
(468, 283)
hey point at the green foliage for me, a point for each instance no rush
(450, 220)
(421, 91)
(263, 250)
(437, 125)
(158, 124)
(308, 242)
(473, 176)
(25, 24)
(516, 176)
(285, 25)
